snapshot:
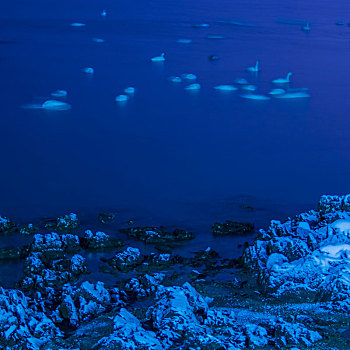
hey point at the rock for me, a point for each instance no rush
(106, 218)
(127, 259)
(6, 225)
(99, 240)
(157, 235)
(232, 228)
(21, 325)
(129, 334)
(29, 229)
(67, 222)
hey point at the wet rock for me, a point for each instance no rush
(28, 230)
(6, 225)
(143, 286)
(127, 259)
(106, 218)
(54, 245)
(22, 326)
(63, 223)
(232, 228)
(99, 240)
(129, 334)
(157, 235)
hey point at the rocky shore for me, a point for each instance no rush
(289, 290)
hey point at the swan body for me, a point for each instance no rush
(200, 25)
(54, 105)
(249, 87)
(225, 88)
(275, 92)
(184, 41)
(193, 87)
(285, 80)
(215, 37)
(160, 58)
(241, 81)
(59, 93)
(88, 70)
(175, 79)
(306, 27)
(77, 24)
(189, 76)
(129, 90)
(294, 95)
(256, 97)
(254, 69)
(121, 98)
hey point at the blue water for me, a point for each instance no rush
(168, 155)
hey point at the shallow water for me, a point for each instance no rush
(168, 155)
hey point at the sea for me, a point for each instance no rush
(168, 156)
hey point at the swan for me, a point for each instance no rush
(275, 92)
(254, 69)
(285, 80)
(54, 105)
(121, 98)
(249, 87)
(300, 94)
(59, 93)
(88, 70)
(213, 58)
(241, 81)
(193, 87)
(98, 40)
(184, 41)
(129, 90)
(200, 25)
(189, 76)
(175, 79)
(160, 58)
(306, 28)
(77, 24)
(256, 97)
(225, 88)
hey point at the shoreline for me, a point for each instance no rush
(76, 278)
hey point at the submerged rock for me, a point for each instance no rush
(232, 228)
(157, 235)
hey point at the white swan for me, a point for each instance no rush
(249, 87)
(175, 79)
(184, 41)
(121, 98)
(300, 94)
(77, 24)
(88, 70)
(241, 81)
(225, 88)
(129, 90)
(98, 40)
(256, 97)
(285, 80)
(275, 92)
(193, 87)
(160, 58)
(254, 69)
(306, 27)
(54, 105)
(59, 93)
(189, 76)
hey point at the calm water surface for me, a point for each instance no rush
(169, 156)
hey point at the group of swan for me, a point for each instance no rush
(127, 93)
(244, 85)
